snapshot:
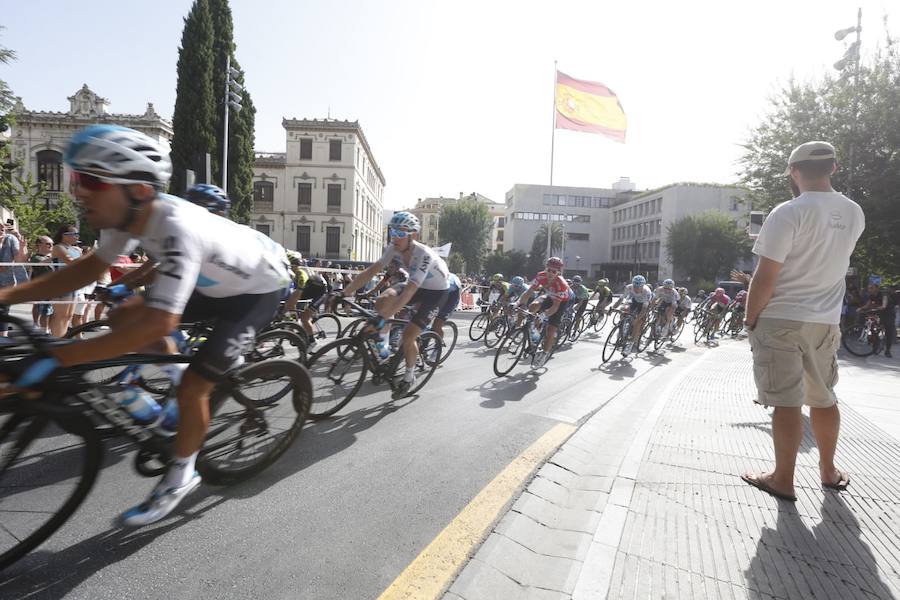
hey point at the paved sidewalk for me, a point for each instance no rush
(645, 501)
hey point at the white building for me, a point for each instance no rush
(324, 195)
(638, 225)
(582, 212)
(39, 138)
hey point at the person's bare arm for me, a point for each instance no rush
(762, 286)
(79, 274)
(152, 325)
(740, 276)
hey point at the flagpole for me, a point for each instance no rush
(552, 148)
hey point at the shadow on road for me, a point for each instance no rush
(790, 555)
(498, 391)
(617, 369)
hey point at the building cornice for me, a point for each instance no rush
(25, 119)
(333, 125)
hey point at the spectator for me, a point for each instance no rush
(13, 249)
(65, 251)
(882, 302)
(793, 312)
(40, 313)
(81, 314)
(120, 267)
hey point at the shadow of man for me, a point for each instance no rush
(831, 560)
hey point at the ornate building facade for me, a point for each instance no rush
(38, 138)
(323, 196)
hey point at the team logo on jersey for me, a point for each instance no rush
(240, 344)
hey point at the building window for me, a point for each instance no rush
(334, 198)
(263, 228)
(735, 203)
(304, 197)
(500, 235)
(306, 149)
(501, 221)
(263, 196)
(303, 235)
(50, 169)
(334, 149)
(332, 241)
(579, 237)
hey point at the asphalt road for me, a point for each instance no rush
(343, 512)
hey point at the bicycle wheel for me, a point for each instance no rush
(326, 327)
(338, 370)
(49, 460)
(479, 326)
(277, 343)
(700, 330)
(677, 328)
(292, 326)
(449, 340)
(496, 330)
(600, 321)
(858, 341)
(578, 328)
(256, 416)
(612, 344)
(510, 351)
(88, 330)
(429, 343)
(353, 327)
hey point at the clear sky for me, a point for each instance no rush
(456, 96)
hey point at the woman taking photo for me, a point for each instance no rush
(65, 251)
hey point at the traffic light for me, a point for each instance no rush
(234, 89)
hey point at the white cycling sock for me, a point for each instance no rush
(180, 471)
(410, 374)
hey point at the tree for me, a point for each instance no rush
(241, 124)
(194, 119)
(6, 94)
(468, 225)
(539, 244)
(456, 263)
(34, 216)
(706, 245)
(512, 263)
(824, 110)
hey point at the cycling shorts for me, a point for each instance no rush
(428, 303)
(556, 317)
(449, 305)
(236, 321)
(313, 291)
(636, 308)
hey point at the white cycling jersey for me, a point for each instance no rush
(196, 250)
(642, 295)
(426, 269)
(667, 295)
(685, 302)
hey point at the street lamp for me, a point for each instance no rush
(851, 57)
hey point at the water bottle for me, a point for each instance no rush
(382, 349)
(139, 404)
(535, 334)
(395, 338)
(167, 421)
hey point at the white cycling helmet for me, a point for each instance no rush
(119, 155)
(668, 284)
(405, 221)
(639, 281)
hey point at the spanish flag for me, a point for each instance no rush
(588, 106)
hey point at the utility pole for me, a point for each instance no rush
(232, 100)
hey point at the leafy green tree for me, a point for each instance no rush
(34, 215)
(468, 225)
(241, 124)
(824, 110)
(456, 263)
(194, 119)
(6, 94)
(706, 245)
(539, 243)
(512, 263)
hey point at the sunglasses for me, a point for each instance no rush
(399, 233)
(75, 233)
(90, 182)
(553, 270)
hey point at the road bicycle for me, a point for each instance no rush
(51, 438)
(619, 337)
(865, 339)
(522, 342)
(338, 369)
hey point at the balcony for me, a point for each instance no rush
(262, 206)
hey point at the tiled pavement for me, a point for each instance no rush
(644, 501)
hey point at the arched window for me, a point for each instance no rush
(49, 163)
(263, 196)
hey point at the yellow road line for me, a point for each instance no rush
(432, 572)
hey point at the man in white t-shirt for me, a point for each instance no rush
(793, 311)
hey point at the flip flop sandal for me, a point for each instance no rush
(764, 487)
(841, 484)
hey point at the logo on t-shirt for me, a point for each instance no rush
(835, 220)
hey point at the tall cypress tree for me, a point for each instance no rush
(194, 118)
(241, 125)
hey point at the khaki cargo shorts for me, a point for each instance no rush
(795, 363)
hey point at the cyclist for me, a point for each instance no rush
(499, 286)
(209, 269)
(718, 303)
(738, 308)
(453, 293)
(638, 294)
(427, 287)
(882, 303)
(517, 287)
(308, 286)
(557, 293)
(667, 297)
(603, 293)
(211, 197)
(684, 306)
(582, 295)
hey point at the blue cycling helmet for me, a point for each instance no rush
(577, 280)
(639, 281)
(668, 284)
(517, 281)
(211, 197)
(405, 221)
